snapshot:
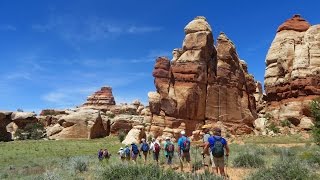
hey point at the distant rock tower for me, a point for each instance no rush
(102, 99)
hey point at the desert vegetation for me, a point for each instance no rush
(77, 159)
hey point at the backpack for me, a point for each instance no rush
(217, 148)
(156, 148)
(135, 149)
(170, 147)
(122, 153)
(186, 145)
(145, 147)
(127, 152)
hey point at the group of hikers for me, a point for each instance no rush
(214, 150)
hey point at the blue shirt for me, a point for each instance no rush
(212, 140)
(181, 141)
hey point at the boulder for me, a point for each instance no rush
(306, 123)
(135, 135)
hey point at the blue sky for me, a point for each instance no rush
(56, 53)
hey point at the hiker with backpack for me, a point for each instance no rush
(155, 148)
(144, 147)
(100, 155)
(122, 154)
(206, 158)
(106, 154)
(184, 150)
(169, 151)
(218, 147)
(134, 152)
(127, 153)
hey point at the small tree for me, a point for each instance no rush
(315, 110)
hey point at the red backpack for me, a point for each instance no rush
(170, 147)
(156, 147)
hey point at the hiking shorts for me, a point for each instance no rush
(134, 156)
(156, 156)
(218, 162)
(185, 156)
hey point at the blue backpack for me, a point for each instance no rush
(217, 148)
(135, 149)
(145, 147)
(127, 152)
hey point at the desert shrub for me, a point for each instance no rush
(315, 111)
(4, 175)
(197, 165)
(285, 123)
(311, 157)
(33, 131)
(121, 136)
(79, 164)
(273, 127)
(19, 110)
(248, 159)
(150, 172)
(283, 170)
(50, 175)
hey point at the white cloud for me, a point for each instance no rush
(90, 29)
(143, 29)
(7, 27)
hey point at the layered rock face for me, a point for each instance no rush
(101, 99)
(201, 84)
(292, 76)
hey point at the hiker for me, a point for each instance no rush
(155, 148)
(205, 153)
(218, 145)
(127, 152)
(184, 150)
(144, 147)
(106, 154)
(100, 155)
(134, 152)
(122, 154)
(169, 150)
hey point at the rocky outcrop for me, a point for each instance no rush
(101, 99)
(202, 84)
(292, 76)
(11, 121)
(77, 123)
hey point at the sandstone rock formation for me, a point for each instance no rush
(16, 120)
(78, 123)
(292, 76)
(202, 84)
(101, 99)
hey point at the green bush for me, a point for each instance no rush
(285, 123)
(121, 136)
(79, 164)
(315, 110)
(283, 170)
(33, 131)
(248, 159)
(311, 157)
(273, 127)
